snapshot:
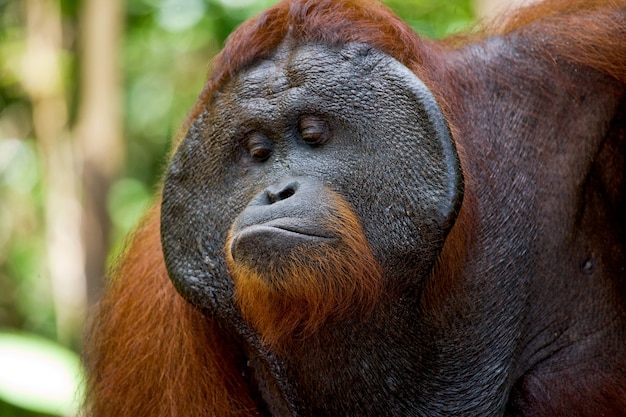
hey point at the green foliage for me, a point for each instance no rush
(434, 18)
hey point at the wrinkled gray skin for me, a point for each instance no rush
(390, 156)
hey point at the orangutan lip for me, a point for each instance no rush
(282, 235)
(298, 227)
(289, 226)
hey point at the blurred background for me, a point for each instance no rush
(91, 92)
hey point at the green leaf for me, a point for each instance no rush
(39, 375)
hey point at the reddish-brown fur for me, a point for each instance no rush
(598, 44)
(149, 353)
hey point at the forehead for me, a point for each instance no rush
(311, 78)
(313, 66)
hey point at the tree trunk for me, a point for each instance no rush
(42, 78)
(99, 128)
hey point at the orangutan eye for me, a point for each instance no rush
(259, 146)
(314, 130)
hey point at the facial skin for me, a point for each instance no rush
(281, 157)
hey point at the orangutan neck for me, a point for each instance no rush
(391, 370)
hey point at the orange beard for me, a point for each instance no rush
(319, 284)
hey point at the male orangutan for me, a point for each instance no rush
(361, 222)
